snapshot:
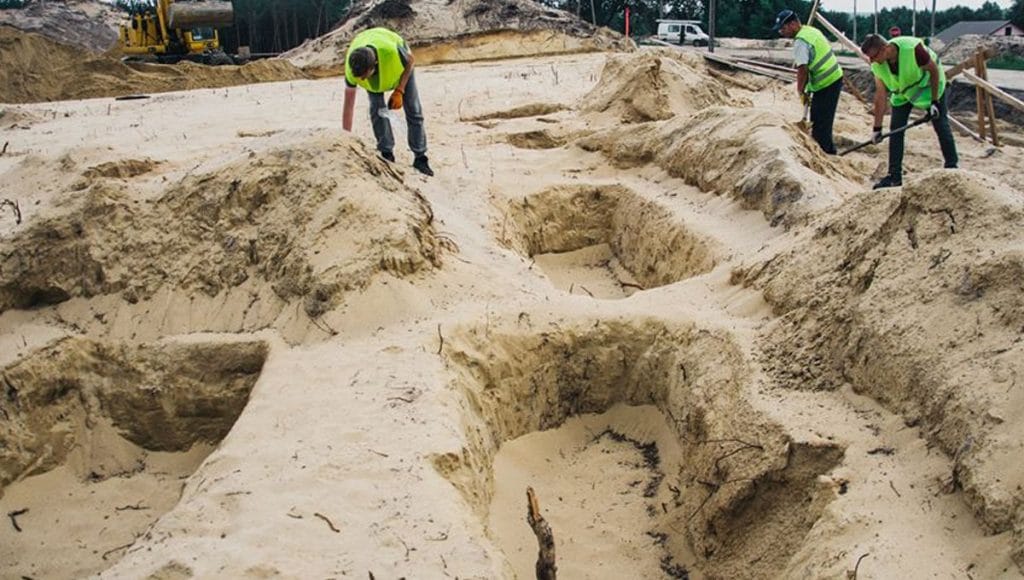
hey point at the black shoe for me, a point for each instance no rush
(422, 165)
(388, 156)
(950, 166)
(888, 181)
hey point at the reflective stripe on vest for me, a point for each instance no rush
(911, 83)
(389, 63)
(824, 70)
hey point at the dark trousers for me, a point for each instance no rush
(900, 115)
(417, 135)
(823, 113)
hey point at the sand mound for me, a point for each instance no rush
(753, 155)
(740, 491)
(913, 296)
(964, 47)
(33, 69)
(653, 86)
(280, 219)
(90, 25)
(442, 31)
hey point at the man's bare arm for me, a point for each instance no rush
(348, 108)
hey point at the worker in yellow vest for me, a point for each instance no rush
(379, 61)
(911, 72)
(819, 78)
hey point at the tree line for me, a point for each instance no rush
(754, 18)
(273, 26)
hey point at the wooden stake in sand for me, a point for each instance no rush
(546, 567)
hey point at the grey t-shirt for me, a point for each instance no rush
(803, 54)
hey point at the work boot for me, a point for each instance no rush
(422, 165)
(888, 181)
(388, 156)
(950, 166)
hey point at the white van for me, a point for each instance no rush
(668, 30)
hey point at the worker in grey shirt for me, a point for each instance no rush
(819, 78)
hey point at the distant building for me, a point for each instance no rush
(982, 27)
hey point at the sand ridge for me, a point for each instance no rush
(369, 442)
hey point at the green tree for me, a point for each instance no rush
(1016, 13)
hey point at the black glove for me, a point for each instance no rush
(876, 135)
(934, 111)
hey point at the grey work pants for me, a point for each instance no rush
(900, 116)
(413, 117)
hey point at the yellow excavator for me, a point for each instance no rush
(166, 31)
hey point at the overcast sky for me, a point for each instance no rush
(869, 5)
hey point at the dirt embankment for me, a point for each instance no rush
(90, 24)
(34, 68)
(913, 296)
(440, 31)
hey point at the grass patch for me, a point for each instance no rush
(1007, 62)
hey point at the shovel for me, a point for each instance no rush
(920, 121)
(803, 124)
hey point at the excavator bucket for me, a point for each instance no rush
(199, 14)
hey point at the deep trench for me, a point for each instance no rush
(735, 495)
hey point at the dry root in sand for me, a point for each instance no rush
(912, 295)
(277, 220)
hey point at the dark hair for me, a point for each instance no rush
(872, 43)
(360, 61)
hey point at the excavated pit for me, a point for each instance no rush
(639, 443)
(604, 241)
(98, 439)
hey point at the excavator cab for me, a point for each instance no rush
(167, 31)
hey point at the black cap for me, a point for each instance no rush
(783, 17)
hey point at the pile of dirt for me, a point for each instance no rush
(654, 86)
(964, 47)
(33, 68)
(279, 217)
(912, 295)
(753, 155)
(90, 24)
(443, 31)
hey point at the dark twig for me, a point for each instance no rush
(856, 566)
(4, 150)
(440, 337)
(14, 206)
(136, 507)
(546, 567)
(112, 550)
(894, 489)
(330, 524)
(14, 518)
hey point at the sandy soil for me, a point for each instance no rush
(780, 373)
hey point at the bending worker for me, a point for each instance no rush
(819, 78)
(379, 61)
(911, 72)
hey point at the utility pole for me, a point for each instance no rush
(913, 21)
(876, 16)
(932, 34)
(711, 26)
(855, 21)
